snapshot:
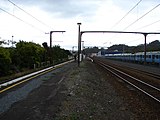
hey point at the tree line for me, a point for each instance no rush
(28, 55)
(152, 46)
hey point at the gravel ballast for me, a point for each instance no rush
(92, 97)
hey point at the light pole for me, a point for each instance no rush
(145, 44)
(79, 43)
(51, 36)
(82, 52)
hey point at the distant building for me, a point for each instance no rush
(93, 54)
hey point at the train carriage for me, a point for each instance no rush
(151, 57)
(156, 57)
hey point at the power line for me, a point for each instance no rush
(21, 20)
(141, 17)
(148, 24)
(127, 13)
(30, 14)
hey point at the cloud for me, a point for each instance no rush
(64, 8)
(64, 15)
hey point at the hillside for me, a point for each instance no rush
(153, 46)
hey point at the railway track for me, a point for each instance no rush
(151, 90)
(12, 83)
(151, 74)
(151, 77)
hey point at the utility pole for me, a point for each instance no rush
(145, 46)
(79, 43)
(82, 51)
(51, 36)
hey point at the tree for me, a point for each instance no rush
(5, 61)
(47, 52)
(29, 53)
(59, 54)
(1, 42)
(91, 50)
(154, 46)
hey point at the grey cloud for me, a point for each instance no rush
(64, 8)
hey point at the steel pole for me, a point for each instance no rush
(145, 47)
(79, 43)
(50, 39)
(51, 59)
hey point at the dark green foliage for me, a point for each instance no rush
(59, 54)
(5, 61)
(47, 52)
(1, 42)
(91, 50)
(120, 47)
(154, 46)
(28, 55)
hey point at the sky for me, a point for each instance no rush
(32, 20)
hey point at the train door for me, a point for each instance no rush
(140, 58)
(153, 58)
(157, 58)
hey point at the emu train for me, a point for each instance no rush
(151, 57)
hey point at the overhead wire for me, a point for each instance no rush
(148, 24)
(21, 20)
(29, 14)
(141, 17)
(138, 18)
(127, 13)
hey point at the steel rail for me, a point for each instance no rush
(140, 89)
(150, 74)
(147, 73)
(133, 77)
(157, 76)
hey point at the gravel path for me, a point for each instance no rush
(92, 97)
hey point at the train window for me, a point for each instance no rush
(156, 56)
(149, 56)
(153, 56)
(140, 56)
